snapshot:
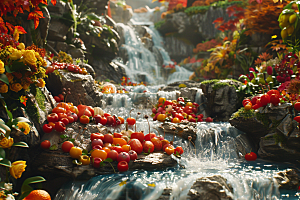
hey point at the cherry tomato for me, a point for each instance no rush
(97, 136)
(96, 162)
(47, 128)
(106, 115)
(246, 101)
(130, 121)
(59, 110)
(297, 106)
(169, 150)
(57, 99)
(121, 120)
(66, 146)
(62, 115)
(75, 152)
(248, 106)
(103, 121)
(84, 119)
(53, 117)
(251, 156)
(45, 144)
(60, 126)
(63, 105)
(65, 121)
(118, 135)
(123, 166)
(179, 150)
(71, 119)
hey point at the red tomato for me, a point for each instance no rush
(106, 114)
(84, 119)
(108, 138)
(136, 145)
(97, 136)
(245, 102)
(65, 121)
(251, 156)
(254, 99)
(118, 135)
(59, 110)
(148, 147)
(130, 121)
(123, 166)
(113, 154)
(149, 136)
(117, 148)
(47, 128)
(297, 106)
(91, 110)
(84, 112)
(66, 146)
(265, 99)
(45, 144)
(97, 142)
(60, 126)
(57, 99)
(71, 119)
(179, 150)
(103, 121)
(53, 117)
(270, 92)
(62, 115)
(138, 135)
(274, 99)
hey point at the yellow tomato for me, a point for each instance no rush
(248, 106)
(161, 117)
(161, 100)
(126, 148)
(175, 120)
(99, 154)
(75, 152)
(85, 160)
(189, 104)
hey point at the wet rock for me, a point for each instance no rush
(166, 194)
(243, 145)
(183, 130)
(221, 98)
(286, 125)
(108, 70)
(119, 14)
(288, 179)
(59, 163)
(62, 46)
(76, 53)
(211, 188)
(89, 69)
(58, 9)
(57, 31)
(78, 83)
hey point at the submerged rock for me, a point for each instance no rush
(288, 179)
(210, 188)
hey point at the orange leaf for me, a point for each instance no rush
(20, 30)
(35, 15)
(10, 27)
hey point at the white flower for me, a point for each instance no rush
(10, 197)
(8, 186)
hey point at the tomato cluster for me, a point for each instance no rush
(66, 66)
(177, 111)
(272, 96)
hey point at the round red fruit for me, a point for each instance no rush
(62, 115)
(138, 135)
(130, 121)
(251, 156)
(65, 121)
(136, 145)
(149, 136)
(123, 156)
(46, 144)
(53, 117)
(66, 146)
(179, 150)
(97, 136)
(113, 154)
(246, 101)
(47, 128)
(123, 166)
(108, 138)
(297, 106)
(148, 147)
(71, 119)
(60, 126)
(97, 142)
(133, 155)
(57, 99)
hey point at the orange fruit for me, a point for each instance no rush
(121, 120)
(119, 141)
(38, 195)
(161, 100)
(99, 154)
(161, 117)
(75, 152)
(106, 149)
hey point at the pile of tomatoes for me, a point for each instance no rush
(66, 66)
(272, 96)
(177, 111)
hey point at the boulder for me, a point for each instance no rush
(76, 53)
(57, 31)
(78, 84)
(210, 188)
(221, 98)
(108, 70)
(288, 179)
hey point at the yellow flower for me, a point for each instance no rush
(2, 69)
(29, 57)
(16, 35)
(217, 70)
(3, 88)
(6, 143)
(17, 168)
(24, 127)
(41, 82)
(16, 55)
(16, 87)
(21, 46)
(10, 77)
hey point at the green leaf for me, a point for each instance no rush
(63, 136)
(93, 16)
(7, 111)
(84, 152)
(7, 69)
(4, 78)
(2, 153)
(72, 140)
(20, 144)
(149, 150)
(289, 6)
(25, 194)
(17, 66)
(5, 162)
(108, 160)
(53, 147)
(35, 179)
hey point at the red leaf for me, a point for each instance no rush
(53, 2)
(239, 15)
(35, 15)
(218, 20)
(10, 27)
(20, 29)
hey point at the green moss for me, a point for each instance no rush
(219, 83)
(262, 118)
(279, 138)
(246, 114)
(157, 25)
(40, 98)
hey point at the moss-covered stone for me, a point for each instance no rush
(220, 83)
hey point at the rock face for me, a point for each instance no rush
(210, 188)
(78, 84)
(119, 14)
(288, 179)
(222, 100)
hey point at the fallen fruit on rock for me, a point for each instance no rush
(123, 166)
(45, 144)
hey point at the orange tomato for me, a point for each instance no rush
(59, 110)
(106, 149)
(84, 119)
(51, 124)
(99, 154)
(121, 120)
(248, 106)
(161, 117)
(161, 100)
(169, 150)
(75, 152)
(63, 105)
(119, 141)
(126, 148)
(175, 120)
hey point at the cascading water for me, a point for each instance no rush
(214, 154)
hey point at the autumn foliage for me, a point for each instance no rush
(203, 47)
(19, 6)
(262, 17)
